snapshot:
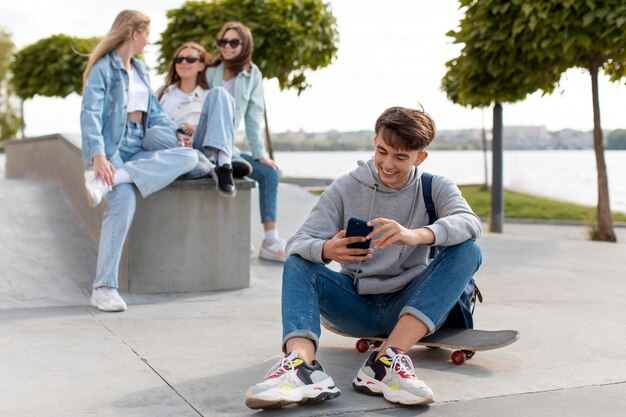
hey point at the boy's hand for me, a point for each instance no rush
(393, 233)
(336, 249)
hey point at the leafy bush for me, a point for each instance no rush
(291, 37)
(51, 67)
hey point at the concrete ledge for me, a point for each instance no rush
(184, 238)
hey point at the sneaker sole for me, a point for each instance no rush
(107, 309)
(369, 386)
(269, 256)
(277, 398)
(217, 187)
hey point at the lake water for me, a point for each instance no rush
(562, 175)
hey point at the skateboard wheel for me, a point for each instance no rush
(378, 343)
(362, 345)
(458, 357)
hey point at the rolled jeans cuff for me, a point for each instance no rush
(301, 333)
(420, 316)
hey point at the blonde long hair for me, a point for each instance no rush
(125, 23)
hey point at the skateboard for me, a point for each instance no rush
(464, 342)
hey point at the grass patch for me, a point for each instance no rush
(523, 206)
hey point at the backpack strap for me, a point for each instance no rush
(427, 188)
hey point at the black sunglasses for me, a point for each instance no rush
(189, 59)
(232, 42)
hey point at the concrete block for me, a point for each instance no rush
(184, 238)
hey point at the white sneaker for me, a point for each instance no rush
(274, 251)
(392, 376)
(107, 299)
(96, 188)
(291, 381)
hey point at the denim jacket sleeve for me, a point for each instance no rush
(157, 116)
(91, 115)
(254, 115)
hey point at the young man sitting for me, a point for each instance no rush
(392, 289)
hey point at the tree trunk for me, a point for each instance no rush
(484, 139)
(268, 137)
(22, 124)
(497, 188)
(605, 230)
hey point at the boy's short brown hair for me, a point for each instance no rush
(406, 129)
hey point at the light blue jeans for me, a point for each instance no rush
(215, 129)
(268, 179)
(150, 172)
(311, 289)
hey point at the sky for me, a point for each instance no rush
(391, 53)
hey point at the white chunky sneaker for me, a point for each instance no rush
(96, 188)
(291, 380)
(393, 377)
(107, 299)
(274, 251)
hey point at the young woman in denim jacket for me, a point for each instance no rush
(234, 71)
(118, 108)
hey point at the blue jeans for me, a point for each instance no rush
(268, 179)
(215, 128)
(311, 289)
(150, 172)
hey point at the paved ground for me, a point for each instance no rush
(195, 354)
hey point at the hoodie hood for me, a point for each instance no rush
(366, 174)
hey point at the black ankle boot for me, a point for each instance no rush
(241, 168)
(223, 176)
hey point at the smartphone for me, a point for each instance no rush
(358, 227)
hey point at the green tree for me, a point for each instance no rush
(616, 139)
(9, 114)
(51, 67)
(516, 47)
(291, 37)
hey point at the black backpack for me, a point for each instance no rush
(461, 315)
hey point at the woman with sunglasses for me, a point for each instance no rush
(233, 70)
(204, 117)
(118, 109)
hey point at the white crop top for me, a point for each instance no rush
(138, 93)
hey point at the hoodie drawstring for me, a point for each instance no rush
(369, 217)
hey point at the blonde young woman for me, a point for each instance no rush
(234, 71)
(118, 108)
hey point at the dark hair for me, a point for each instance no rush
(243, 61)
(406, 129)
(173, 78)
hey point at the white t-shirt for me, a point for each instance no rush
(183, 107)
(138, 92)
(230, 86)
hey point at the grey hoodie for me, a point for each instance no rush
(361, 194)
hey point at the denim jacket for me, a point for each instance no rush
(103, 111)
(249, 104)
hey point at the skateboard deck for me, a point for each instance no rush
(464, 342)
